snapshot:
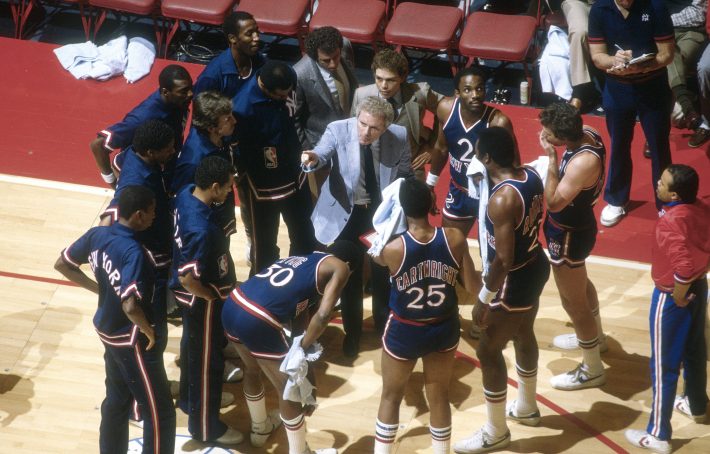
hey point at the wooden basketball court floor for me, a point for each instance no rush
(51, 366)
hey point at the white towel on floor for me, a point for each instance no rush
(478, 189)
(77, 58)
(112, 59)
(389, 219)
(295, 365)
(141, 55)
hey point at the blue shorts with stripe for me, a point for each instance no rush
(459, 206)
(409, 340)
(522, 286)
(262, 338)
(569, 247)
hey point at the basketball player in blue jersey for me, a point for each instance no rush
(125, 325)
(202, 277)
(258, 312)
(425, 264)
(515, 273)
(170, 103)
(571, 191)
(461, 119)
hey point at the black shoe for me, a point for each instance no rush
(699, 137)
(646, 151)
(351, 346)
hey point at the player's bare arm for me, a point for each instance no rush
(102, 158)
(197, 288)
(440, 151)
(503, 209)
(75, 275)
(468, 276)
(581, 172)
(136, 315)
(391, 255)
(336, 274)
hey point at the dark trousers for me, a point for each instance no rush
(201, 368)
(652, 101)
(677, 337)
(133, 372)
(360, 222)
(296, 211)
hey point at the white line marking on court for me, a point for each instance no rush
(49, 184)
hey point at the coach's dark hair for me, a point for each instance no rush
(231, 23)
(470, 71)
(152, 135)
(134, 198)
(211, 170)
(685, 182)
(326, 39)
(277, 76)
(170, 74)
(415, 198)
(497, 143)
(564, 120)
(208, 107)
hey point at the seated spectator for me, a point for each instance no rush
(577, 16)
(702, 134)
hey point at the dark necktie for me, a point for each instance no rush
(393, 103)
(371, 185)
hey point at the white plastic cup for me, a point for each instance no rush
(524, 92)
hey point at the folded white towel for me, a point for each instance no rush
(77, 58)
(141, 55)
(478, 189)
(295, 365)
(112, 59)
(389, 219)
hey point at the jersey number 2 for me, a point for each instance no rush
(434, 296)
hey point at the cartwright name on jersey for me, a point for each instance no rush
(426, 269)
(114, 276)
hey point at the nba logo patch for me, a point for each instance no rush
(271, 161)
(223, 265)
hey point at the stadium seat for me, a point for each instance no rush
(431, 27)
(148, 8)
(360, 21)
(199, 11)
(283, 18)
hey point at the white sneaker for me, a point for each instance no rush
(682, 406)
(232, 373)
(475, 331)
(481, 442)
(230, 437)
(579, 378)
(611, 215)
(227, 399)
(569, 342)
(642, 439)
(260, 432)
(511, 412)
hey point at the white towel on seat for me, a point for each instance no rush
(478, 189)
(141, 55)
(389, 219)
(295, 365)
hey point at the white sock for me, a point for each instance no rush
(527, 386)
(440, 439)
(385, 435)
(590, 356)
(495, 407)
(296, 434)
(257, 407)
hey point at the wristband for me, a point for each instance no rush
(109, 178)
(431, 179)
(486, 296)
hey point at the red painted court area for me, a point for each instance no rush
(48, 119)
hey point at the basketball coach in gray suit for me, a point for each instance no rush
(366, 153)
(410, 102)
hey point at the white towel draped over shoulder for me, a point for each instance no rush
(389, 219)
(141, 55)
(295, 365)
(478, 189)
(540, 166)
(118, 56)
(554, 64)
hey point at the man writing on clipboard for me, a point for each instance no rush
(620, 30)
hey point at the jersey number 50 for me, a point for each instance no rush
(434, 296)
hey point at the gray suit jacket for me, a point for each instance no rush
(341, 145)
(416, 99)
(315, 107)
